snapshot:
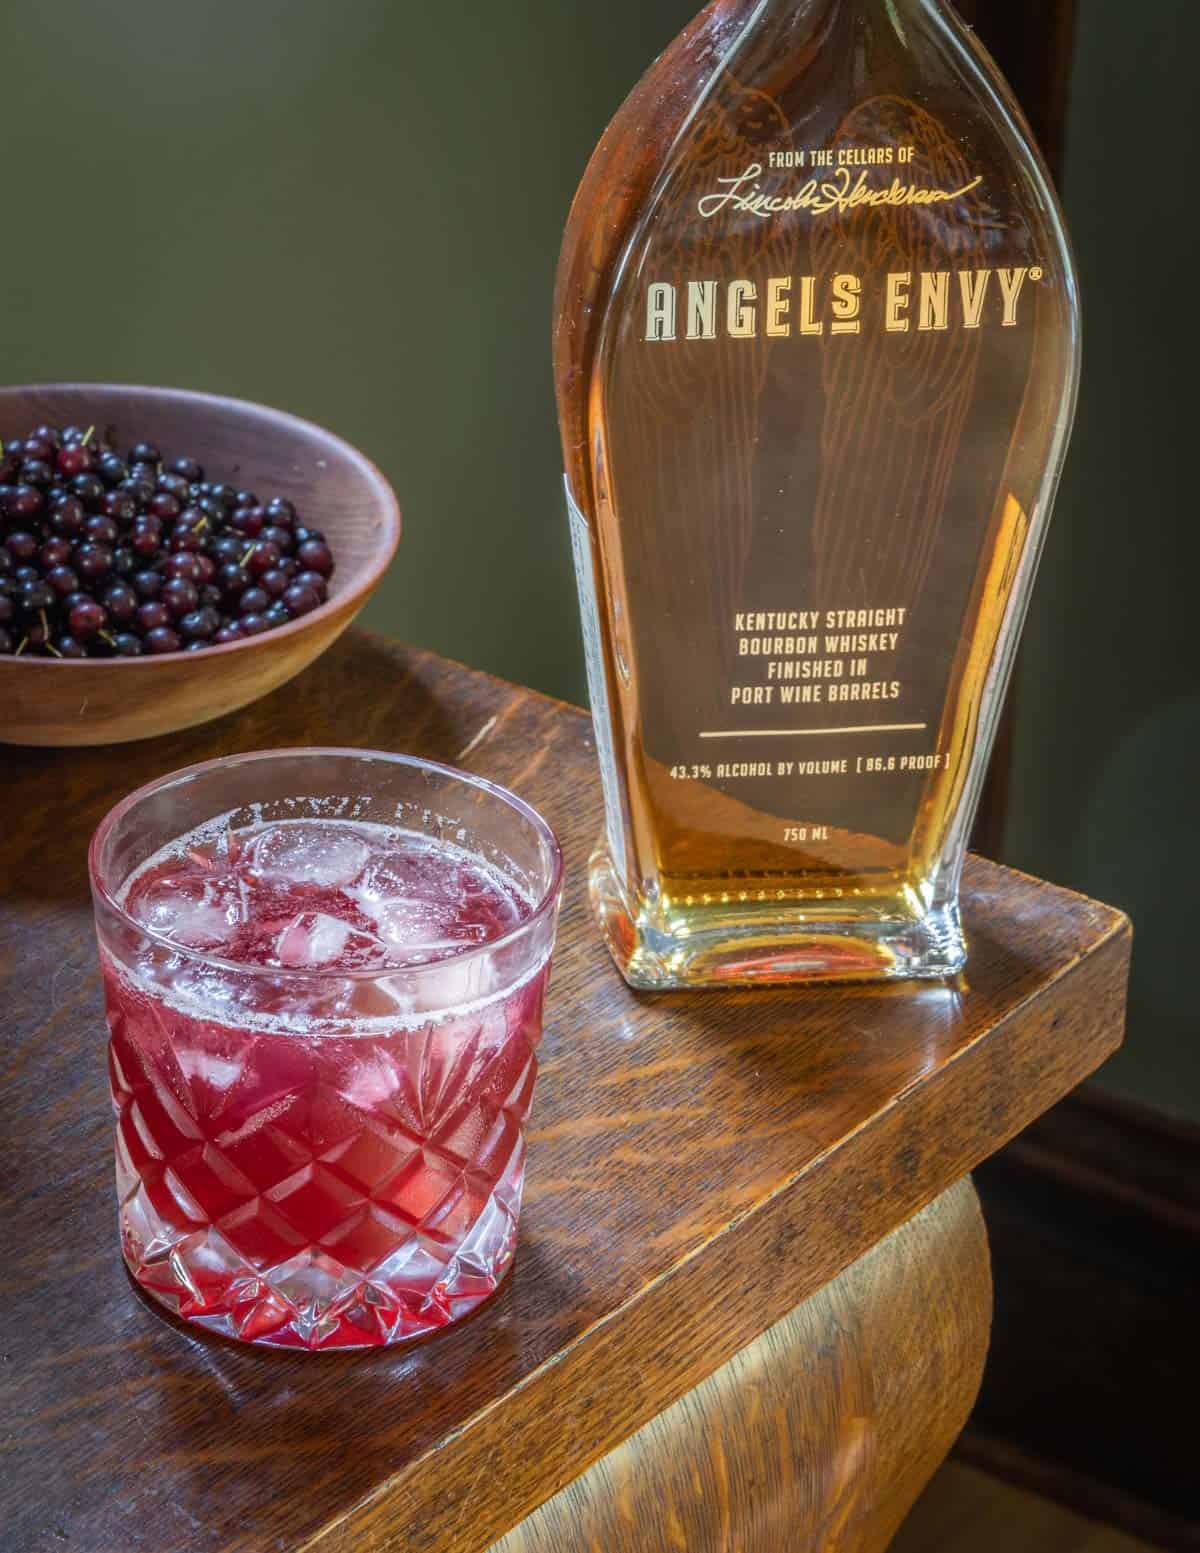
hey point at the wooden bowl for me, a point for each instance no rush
(108, 701)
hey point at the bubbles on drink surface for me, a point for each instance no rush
(323, 895)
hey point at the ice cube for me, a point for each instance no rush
(448, 984)
(194, 911)
(217, 1072)
(416, 918)
(315, 939)
(414, 929)
(312, 938)
(311, 852)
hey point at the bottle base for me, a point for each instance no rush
(749, 948)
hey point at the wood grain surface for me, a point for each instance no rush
(806, 1439)
(699, 1164)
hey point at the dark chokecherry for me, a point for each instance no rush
(101, 530)
(25, 501)
(312, 580)
(22, 545)
(227, 633)
(212, 509)
(164, 505)
(281, 538)
(93, 561)
(200, 625)
(275, 582)
(176, 486)
(261, 558)
(207, 568)
(162, 639)
(226, 547)
(90, 489)
(194, 517)
(152, 614)
(71, 647)
(278, 614)
(211, 596)
(113, 468)
(35, 471)
(302, 534)
(68, 517)
(63, 579)
(180, 597)
(126, 645)
(142, 491)
(144, 453)
(55, 552)
(36, 596)
(125, 562)
(233, 579)
(183, 564)
(38, 446)
(145, 542)
(74, 459)
(246, 499)
(121, 507)
(87, 619)
(316, 556)
(187, 468)
(248, 521)
(121, 601)
(147, 584)
(253, 602)
(280, 510)
(253, 625)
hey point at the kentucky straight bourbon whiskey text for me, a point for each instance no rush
(817, 348)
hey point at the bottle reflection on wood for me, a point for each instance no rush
(816, 348)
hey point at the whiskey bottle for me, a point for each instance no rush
(816, 355)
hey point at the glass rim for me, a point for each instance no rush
(546, 903)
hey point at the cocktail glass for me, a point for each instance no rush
(312, 1156)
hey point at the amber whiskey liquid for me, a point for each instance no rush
(817, 347)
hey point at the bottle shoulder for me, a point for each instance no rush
(629, 161)
(752, 104)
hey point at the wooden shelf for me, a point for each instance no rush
(699, 1164)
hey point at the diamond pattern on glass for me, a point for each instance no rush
(358, 1194)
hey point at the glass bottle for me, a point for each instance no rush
(816, 354)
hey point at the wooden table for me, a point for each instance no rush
(752, 1294)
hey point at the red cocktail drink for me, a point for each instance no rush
(325, 1010)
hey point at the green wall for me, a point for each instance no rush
(350, 210)
(354, 211)
(1108, 737)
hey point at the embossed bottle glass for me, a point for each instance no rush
(817, 351)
